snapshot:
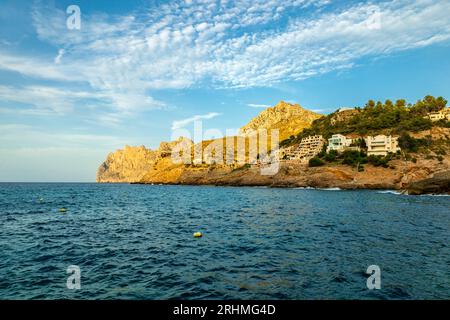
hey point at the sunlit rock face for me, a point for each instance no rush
(127, 165)
(132, 163)
(288, 118)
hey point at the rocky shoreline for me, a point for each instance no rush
(140, 166)
(403, 177)
(414, 191)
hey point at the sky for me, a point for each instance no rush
(136, 70)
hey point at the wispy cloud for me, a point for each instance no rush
(39, 68)
(213, 41)
(59, 56)
(45, 100)
(254, 105)
(177, 124)
(14, 135)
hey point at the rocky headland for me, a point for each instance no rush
(414, 172)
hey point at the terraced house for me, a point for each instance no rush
(308, 148)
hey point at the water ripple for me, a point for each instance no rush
(135, 242)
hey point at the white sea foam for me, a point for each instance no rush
(322, 189)
(405, 194)
(390, 192)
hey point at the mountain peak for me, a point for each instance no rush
(288, 118)
(283, 103)
(287, 106)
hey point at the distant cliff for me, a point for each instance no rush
(132, 163)
(127, 165)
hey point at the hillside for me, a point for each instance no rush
(376, 118)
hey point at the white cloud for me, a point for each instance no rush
(181, 46)
(223, 44)
(177, 124)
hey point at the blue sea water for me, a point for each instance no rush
(136, 242)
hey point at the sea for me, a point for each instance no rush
(124, 241)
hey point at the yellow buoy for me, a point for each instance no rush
(198, 235)
(62, 209)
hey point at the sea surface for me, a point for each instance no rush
(136, 242)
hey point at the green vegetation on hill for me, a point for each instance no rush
(432, 149)
(410, 144)
(352, 158)
(376, 118)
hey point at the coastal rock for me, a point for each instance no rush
(132, 163)
(328, 177)
(438, 184)
(141, 165)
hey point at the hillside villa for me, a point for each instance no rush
(439, 115)
(339, 142)
(381, 145)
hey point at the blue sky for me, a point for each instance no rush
(137, 69)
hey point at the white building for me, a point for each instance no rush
(381, 145)
(439, 115)
(339, 142)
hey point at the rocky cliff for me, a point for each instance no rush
(127, 165)
(132, 163)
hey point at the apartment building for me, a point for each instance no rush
(308, 148)
(339, 142)
(381, 145)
